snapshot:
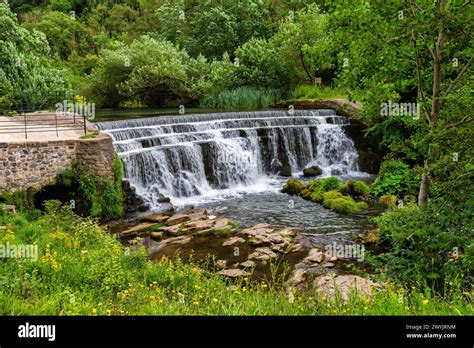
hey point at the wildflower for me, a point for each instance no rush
(94, 311)
(215, 300)
(425, 301)
(264, 285)
(195, 302)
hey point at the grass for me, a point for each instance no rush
(89, 136)
(81, 270)
(316, 92)
(243, 98)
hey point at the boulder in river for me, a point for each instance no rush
(312, 171)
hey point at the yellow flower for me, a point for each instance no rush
(425, 301)
(94, 311)
(195, 302)
(264, 285)
(215, 300)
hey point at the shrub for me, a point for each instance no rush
(422, 250)
(246, 98)
(388, 200)
(292, 187)
(316, 92)
(395, 178)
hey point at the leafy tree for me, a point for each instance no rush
(26, 70)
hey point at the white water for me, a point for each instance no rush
(206, 157)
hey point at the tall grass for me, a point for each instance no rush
(82, 270)
(242, 98)
(316, 92)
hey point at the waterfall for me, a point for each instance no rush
(192, 155)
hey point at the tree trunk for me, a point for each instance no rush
(435, 107)
(423, 194)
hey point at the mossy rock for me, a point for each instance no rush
(312, 171)
(356, 189)
(339, 203)
(292, 187)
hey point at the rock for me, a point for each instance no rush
(259, 240)
(197, 226)
(178, 240)
(281, 248)
(234, 273)
(221, 223)
(156, 235)
(328, 265)
(137, 228)
(328, 285)
(9, 208)
(297, 277)
(262, 254)
(285, 169)
(232, 241)
(295, 248)
(156, 218)
(212, 217)
(196, 214)
(287, 233)
(312, 171)
(292, 187)
(247, 264)
(164, 200)
(170, 230)
(221, 264)
(177, 219)
(315, 255)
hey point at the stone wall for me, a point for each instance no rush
(26, 165)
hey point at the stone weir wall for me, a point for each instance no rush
(33, 165)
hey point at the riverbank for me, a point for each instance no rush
(82, 270)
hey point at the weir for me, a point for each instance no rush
(190, 155)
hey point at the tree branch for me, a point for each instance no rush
(456, 80)
(420, 80)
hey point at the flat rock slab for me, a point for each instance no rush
(157, 218)
(234, 273)
(262, 254)
(329, 285)
(177, 219)
(315, 255)
(233, 241)
(138, 228)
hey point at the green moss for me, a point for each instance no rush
(292, 187)
(339, 203)
(355, 188)
(318, 187)
(89, 136)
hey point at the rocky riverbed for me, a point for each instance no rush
(219, 244)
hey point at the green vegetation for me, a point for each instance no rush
(81, 270)
(339, 203)
(95, 196)
(316, 92)
(243, 98)
(331, 193)
(395, 178)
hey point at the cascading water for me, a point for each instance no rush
(193, 156)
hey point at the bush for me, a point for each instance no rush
(422, 250)
(292, 187)
(242, 98)
(388, 200)
(395, 178)
(316, 92)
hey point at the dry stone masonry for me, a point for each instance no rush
(27, 165)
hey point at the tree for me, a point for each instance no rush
(303, 37)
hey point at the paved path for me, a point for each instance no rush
(41, 126)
